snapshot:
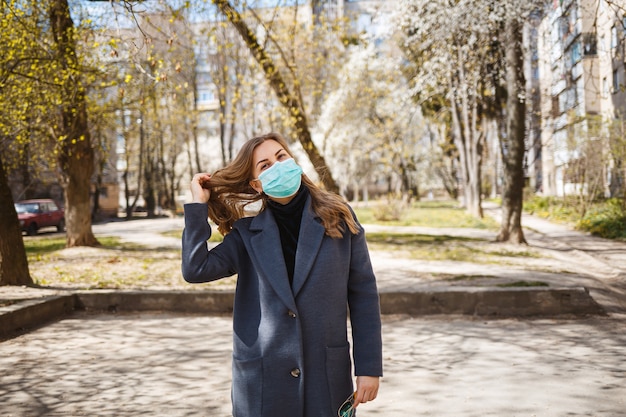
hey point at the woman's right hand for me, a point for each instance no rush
(198, 193)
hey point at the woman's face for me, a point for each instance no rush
(264, 157)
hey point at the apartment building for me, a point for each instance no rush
(577, 90)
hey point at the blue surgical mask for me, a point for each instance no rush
(282, 179)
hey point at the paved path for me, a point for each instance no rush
(177, 365)
(600, 263)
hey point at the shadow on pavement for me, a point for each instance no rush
(179, 365)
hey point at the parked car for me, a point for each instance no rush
(35, 214)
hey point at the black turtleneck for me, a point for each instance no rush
(288, 217)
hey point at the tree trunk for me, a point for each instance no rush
(13, 262)
(512, 146)
(467, 139)
(446, 168)
(76, 157)
(470, 149)
(222, 76)
(141, 161)
(194, 129)
(290, 101)
(129, 209)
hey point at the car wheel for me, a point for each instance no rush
(61, 226)
(32, 229)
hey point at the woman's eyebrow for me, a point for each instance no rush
(276, 154)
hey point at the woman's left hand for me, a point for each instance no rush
(366, 389)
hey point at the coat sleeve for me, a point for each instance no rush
(363, 301)
(199, 264)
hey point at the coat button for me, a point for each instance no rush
(291, 314)
(295, 372)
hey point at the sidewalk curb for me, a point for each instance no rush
(29, 314)
(494, 302)
(207, 302)
(483, 301)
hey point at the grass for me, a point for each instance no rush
(216, 237)
(604, 218)
(432, 247)
(37, 247)
(523, 284)
(558, 210)
(427, 214)
(514, 284)
(444, 248)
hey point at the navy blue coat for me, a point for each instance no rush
(291, 355)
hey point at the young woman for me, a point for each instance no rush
(302, 265)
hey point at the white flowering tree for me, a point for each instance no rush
(448, 57)
(468, 58)
(369, 128)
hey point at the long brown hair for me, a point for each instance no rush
(231, 192)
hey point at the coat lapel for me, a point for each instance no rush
(309, 242)
(268, 255)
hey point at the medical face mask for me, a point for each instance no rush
(282, 179)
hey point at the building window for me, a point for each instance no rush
(575, 53)
(563, 27)
(615, 81)
(555, 107)
(590, 41)
(605, 87)
(614, 39)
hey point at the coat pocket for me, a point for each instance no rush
(339, 373)
(247, 388)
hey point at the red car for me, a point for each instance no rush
(35, 214)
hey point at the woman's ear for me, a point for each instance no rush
(256, 185)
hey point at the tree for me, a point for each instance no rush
(76, 154)
(367, 133)
(444, 157)
(512, 145)
(19, 103)
(449, 46)
(617, 167)
(229, 67)
(13, 262)
(594, 159)
(245, 105)
(483, 82)
(289, 99)
(511, 91)
(156, 104)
